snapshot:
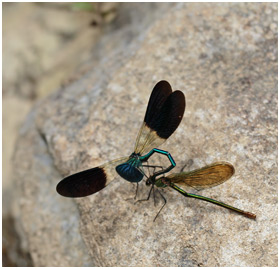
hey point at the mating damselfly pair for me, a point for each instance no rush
(163, 115)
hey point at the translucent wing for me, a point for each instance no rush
(164, 113)
(205, 177)
(89, 181)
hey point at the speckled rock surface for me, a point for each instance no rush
(224, 58)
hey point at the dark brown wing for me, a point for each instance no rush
(89, 181)
(164, 113)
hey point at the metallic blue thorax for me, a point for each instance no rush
(130, 169)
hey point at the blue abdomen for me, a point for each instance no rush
(129, 172)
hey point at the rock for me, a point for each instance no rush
(223, 56)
